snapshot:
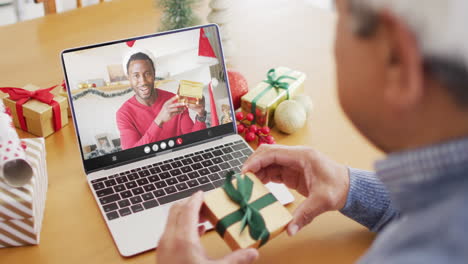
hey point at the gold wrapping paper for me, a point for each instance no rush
(267, 103)
(190, 92)
(217, 205)
(22, 209)
(38, 115)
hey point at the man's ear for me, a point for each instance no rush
(404, 84)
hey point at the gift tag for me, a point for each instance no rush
(281, 192)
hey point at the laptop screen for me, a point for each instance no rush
(140, 97)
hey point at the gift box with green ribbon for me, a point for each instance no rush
(244, 212)
(281, 84)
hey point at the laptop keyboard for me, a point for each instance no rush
(143, 188)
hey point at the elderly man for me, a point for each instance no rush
(153, 114)
(411, 59)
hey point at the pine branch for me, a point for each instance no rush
(177, 14)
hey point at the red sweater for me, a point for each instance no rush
(137, 127)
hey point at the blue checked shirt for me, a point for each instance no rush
(417, 202)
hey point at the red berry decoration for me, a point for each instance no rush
(240, 128)
(239, 116)
(253, 129)
(265, 130)
(269, 139)
(249, 137)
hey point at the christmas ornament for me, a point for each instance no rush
(177, 14)
(253, 132)
(306, 102)
(290, 116)
(238, 85)
(14, 167)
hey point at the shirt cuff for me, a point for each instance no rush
(368, 201)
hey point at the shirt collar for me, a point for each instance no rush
(410, 175)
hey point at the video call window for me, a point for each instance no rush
(130, 94)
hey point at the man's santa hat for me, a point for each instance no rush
(134, 51)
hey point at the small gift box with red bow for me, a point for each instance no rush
(36, 110)
(244, 212)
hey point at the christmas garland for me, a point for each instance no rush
(101, 93)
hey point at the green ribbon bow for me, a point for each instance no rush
(273, 82)
(249, 214)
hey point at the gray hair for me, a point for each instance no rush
(450, 70)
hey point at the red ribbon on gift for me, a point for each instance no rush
(21, 96)
(64, 85)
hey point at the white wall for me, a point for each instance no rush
(174, 54)
(96, 115)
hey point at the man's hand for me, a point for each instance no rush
(324, 182)
(198, 108)
(180, 242)
(169, 109)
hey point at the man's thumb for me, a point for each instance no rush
(241, 256)
(303, 215)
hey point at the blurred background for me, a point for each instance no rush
(13, 11)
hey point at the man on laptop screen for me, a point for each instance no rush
(153, 114)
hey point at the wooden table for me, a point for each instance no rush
(267, 33)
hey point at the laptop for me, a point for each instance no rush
(142, 147)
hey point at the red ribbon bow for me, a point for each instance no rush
(21, 96)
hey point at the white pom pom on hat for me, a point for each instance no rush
(133, 51)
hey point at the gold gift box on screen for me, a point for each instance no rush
(217, 205)
(190, 92)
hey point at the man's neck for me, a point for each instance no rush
(439, 120)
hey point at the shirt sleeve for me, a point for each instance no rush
(129, 135)
(368, 201)
(187, 124)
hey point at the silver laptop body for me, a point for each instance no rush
(137, 222)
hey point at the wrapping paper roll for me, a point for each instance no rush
(22, 209)
(14, 167)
